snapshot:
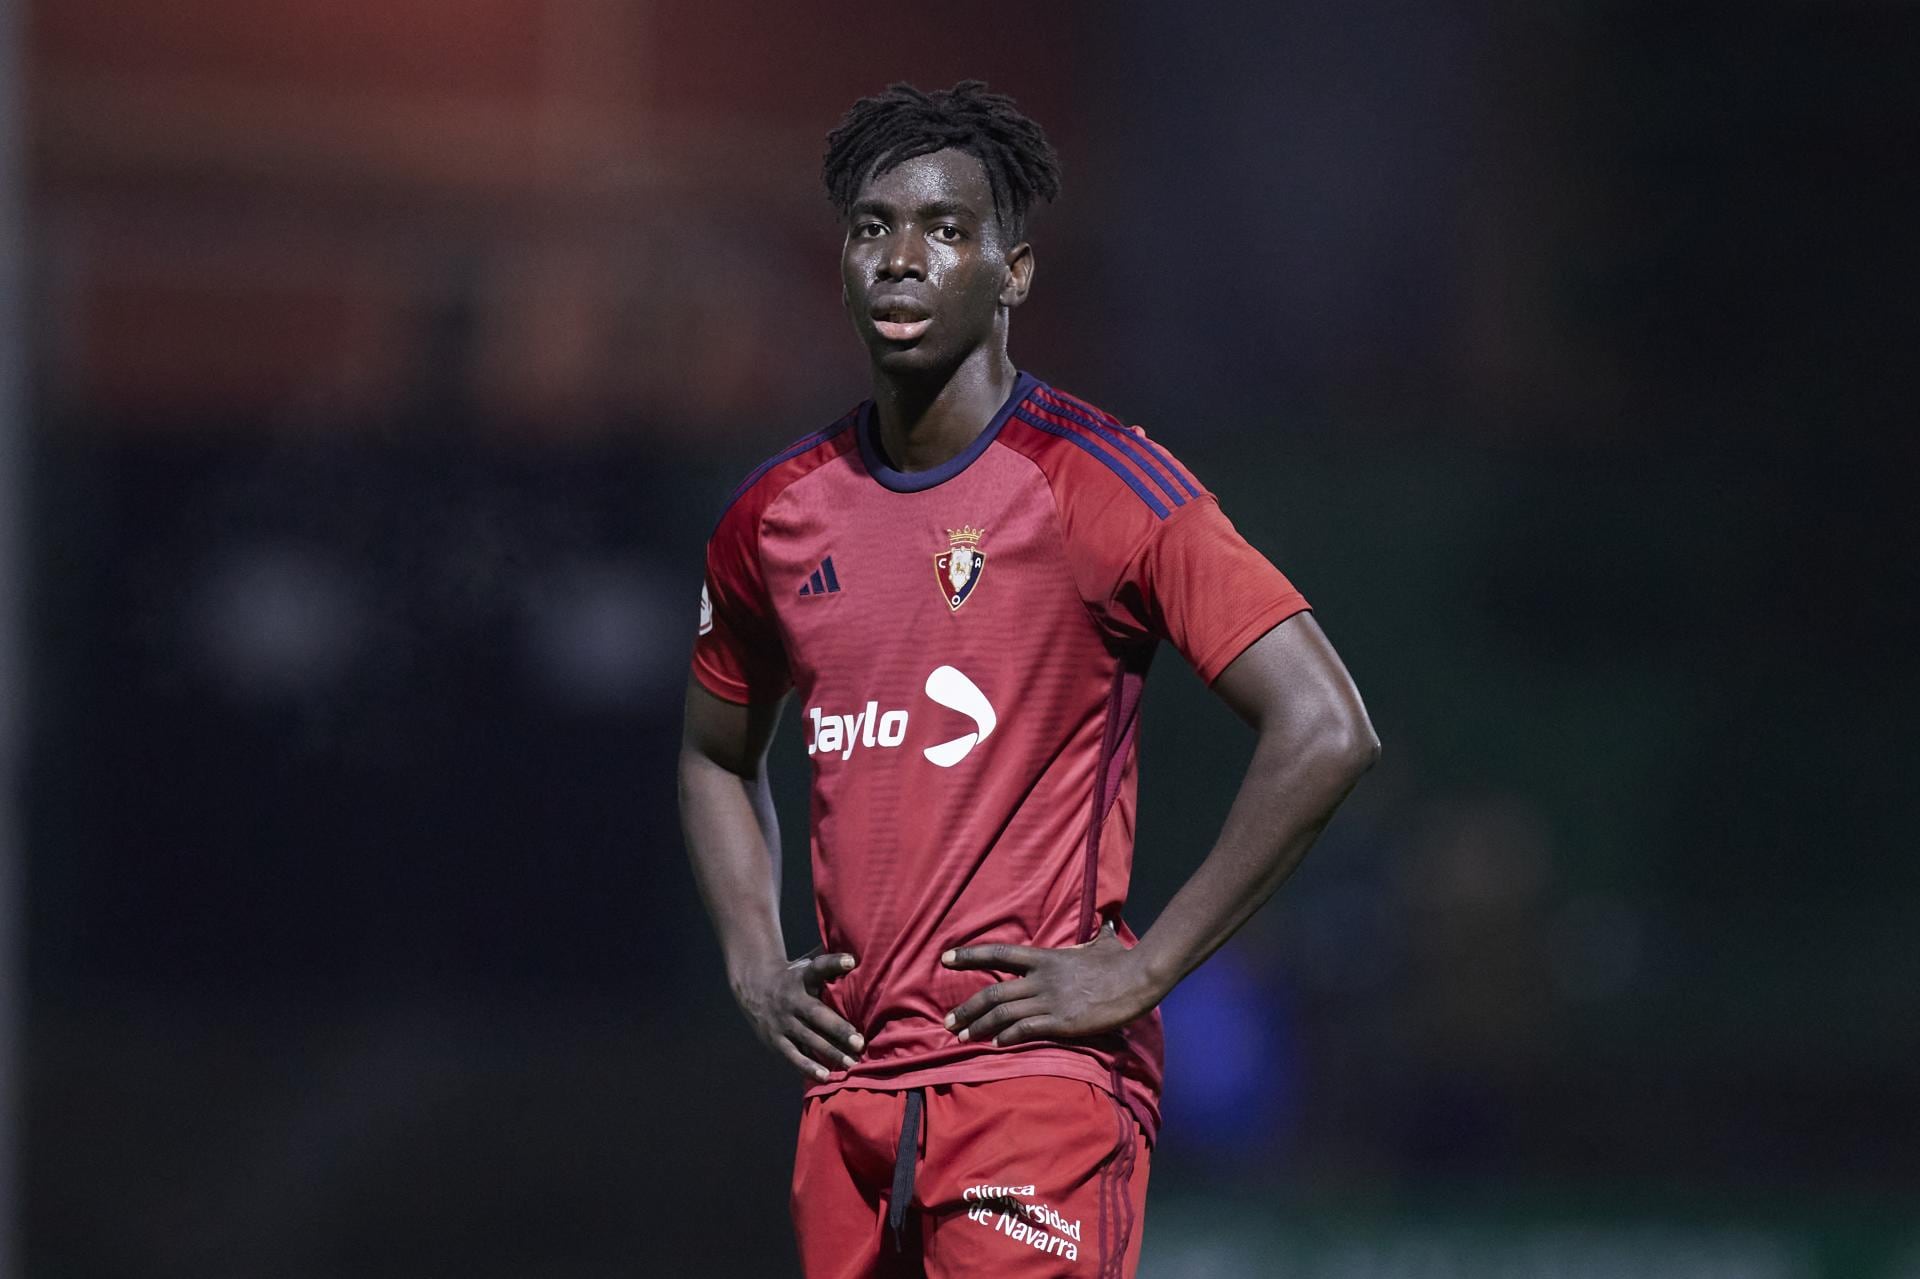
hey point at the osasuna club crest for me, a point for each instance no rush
(958, 568)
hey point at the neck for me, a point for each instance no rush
(926, 421)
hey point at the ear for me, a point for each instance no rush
(1019, 275)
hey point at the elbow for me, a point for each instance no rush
(1370, 749)
(1335, 750)
(1361, 749)
(1352, 747)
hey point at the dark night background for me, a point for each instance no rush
(385, 367)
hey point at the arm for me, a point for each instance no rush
(1314, 743)
(733, 840)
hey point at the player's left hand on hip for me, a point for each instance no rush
(1066, 993)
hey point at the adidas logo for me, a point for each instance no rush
(823, 581)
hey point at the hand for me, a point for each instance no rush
(1063, 994)
(783, 1003)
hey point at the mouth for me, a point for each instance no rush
(900, 321)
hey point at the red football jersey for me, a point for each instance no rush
(968, 645)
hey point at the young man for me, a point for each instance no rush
(963, 581)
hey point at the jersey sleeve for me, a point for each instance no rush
(739, 655)
(1198, 584)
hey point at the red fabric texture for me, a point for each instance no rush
(1019, 1178)
(932, 828)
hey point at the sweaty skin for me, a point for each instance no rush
(930, 278)
(923, 241)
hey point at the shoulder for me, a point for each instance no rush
(774, 476)
(1092, 458)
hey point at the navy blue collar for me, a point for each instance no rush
(915, 481)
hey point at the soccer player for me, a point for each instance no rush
(961, 583)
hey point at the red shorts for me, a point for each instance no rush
(1033, 1176)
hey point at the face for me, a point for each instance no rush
(926, 273)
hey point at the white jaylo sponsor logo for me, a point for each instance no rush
(871, 727)
(839, 734)
(1035, 1224)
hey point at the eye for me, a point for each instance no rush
(949, 233)
(868, 230)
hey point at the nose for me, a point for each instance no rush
(905, 259)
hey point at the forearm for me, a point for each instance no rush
(733, 842)
(1289, 793)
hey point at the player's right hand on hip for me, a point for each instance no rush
(783, 1003)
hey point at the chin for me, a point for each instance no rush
(918, 358)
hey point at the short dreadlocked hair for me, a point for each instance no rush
(884, 131)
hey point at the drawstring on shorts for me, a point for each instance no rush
(904, 1157)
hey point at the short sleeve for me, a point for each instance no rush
(1196, 583)
(738, 654)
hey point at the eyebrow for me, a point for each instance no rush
(931, 209)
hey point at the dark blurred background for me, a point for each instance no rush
(376, 370)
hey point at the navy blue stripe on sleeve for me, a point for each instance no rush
(1077, 435)
(1127, 442)
(1089, 413)
(792, 451)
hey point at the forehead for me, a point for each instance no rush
(947, 176)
